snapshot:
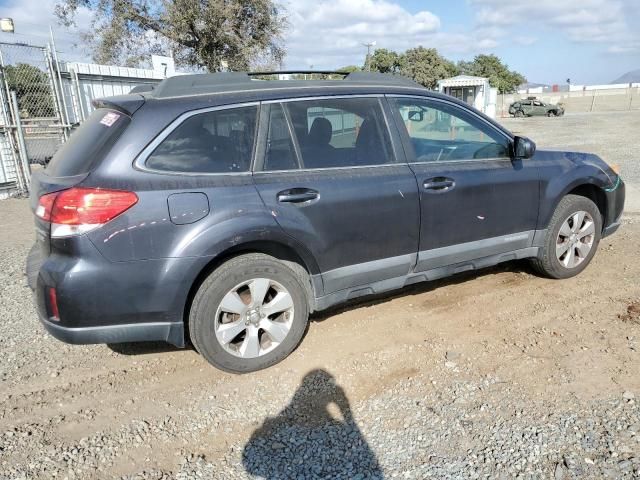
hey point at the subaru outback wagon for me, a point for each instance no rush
(225, 209)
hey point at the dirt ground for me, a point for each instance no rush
(502, 349)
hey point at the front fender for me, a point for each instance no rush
(562, 172)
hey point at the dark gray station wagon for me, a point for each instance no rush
(224, 209)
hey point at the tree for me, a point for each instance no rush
(499, 75)
(209, 34)
(350, 69)
(426, 66)
(385, 61)
(32, 88)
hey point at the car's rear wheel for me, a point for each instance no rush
(572, 238)
(250, 313)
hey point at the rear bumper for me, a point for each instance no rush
(110, 302)
(137, 332)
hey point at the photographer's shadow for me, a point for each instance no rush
(315, 436)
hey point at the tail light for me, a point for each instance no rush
(53, 305)
(80, 210)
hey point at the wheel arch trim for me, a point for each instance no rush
(579, 184)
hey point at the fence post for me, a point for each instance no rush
(75, 83)
(65, 117)
(56, 93)
(8, 123)
(22, 150)
(593, 100)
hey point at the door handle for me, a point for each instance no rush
(439, 184)
(297, 195)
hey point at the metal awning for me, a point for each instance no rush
(462, 81)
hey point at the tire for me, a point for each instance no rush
(552, 114)
(519, 114)
(549, 263)
(208, 315)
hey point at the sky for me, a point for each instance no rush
(548, 41)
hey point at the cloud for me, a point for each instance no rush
(582, 21)
(331, 34)
(32, 19)
(525, 40)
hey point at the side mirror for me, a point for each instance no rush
(416, 115)
(523, 148)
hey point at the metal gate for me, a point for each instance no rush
(32, 117)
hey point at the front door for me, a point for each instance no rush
(330, 177)
(475, 200)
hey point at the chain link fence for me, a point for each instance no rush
(43, 99)
(32, 126)
(28, 72)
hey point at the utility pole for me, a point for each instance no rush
(367, 62)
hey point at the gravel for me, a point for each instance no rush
(608, 134)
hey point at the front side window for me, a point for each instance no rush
(340, 132)
(212, 142)
(441, 132)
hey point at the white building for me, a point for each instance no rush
(475, 91)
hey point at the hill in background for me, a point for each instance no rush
(629, 77)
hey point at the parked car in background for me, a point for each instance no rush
(224, 210)
(532, 107)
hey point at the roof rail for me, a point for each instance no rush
(357, 76)
(391, 78)
(298, 72)
(209, 82)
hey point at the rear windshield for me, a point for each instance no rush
(88, 144)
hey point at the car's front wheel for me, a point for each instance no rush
(250, 313)
(572, 238)
(519, 114)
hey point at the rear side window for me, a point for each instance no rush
(88, 144)
(212, 142)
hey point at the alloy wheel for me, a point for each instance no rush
(254, 317)
(575, 239)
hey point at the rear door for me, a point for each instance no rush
(331, 177)
(475, 200)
